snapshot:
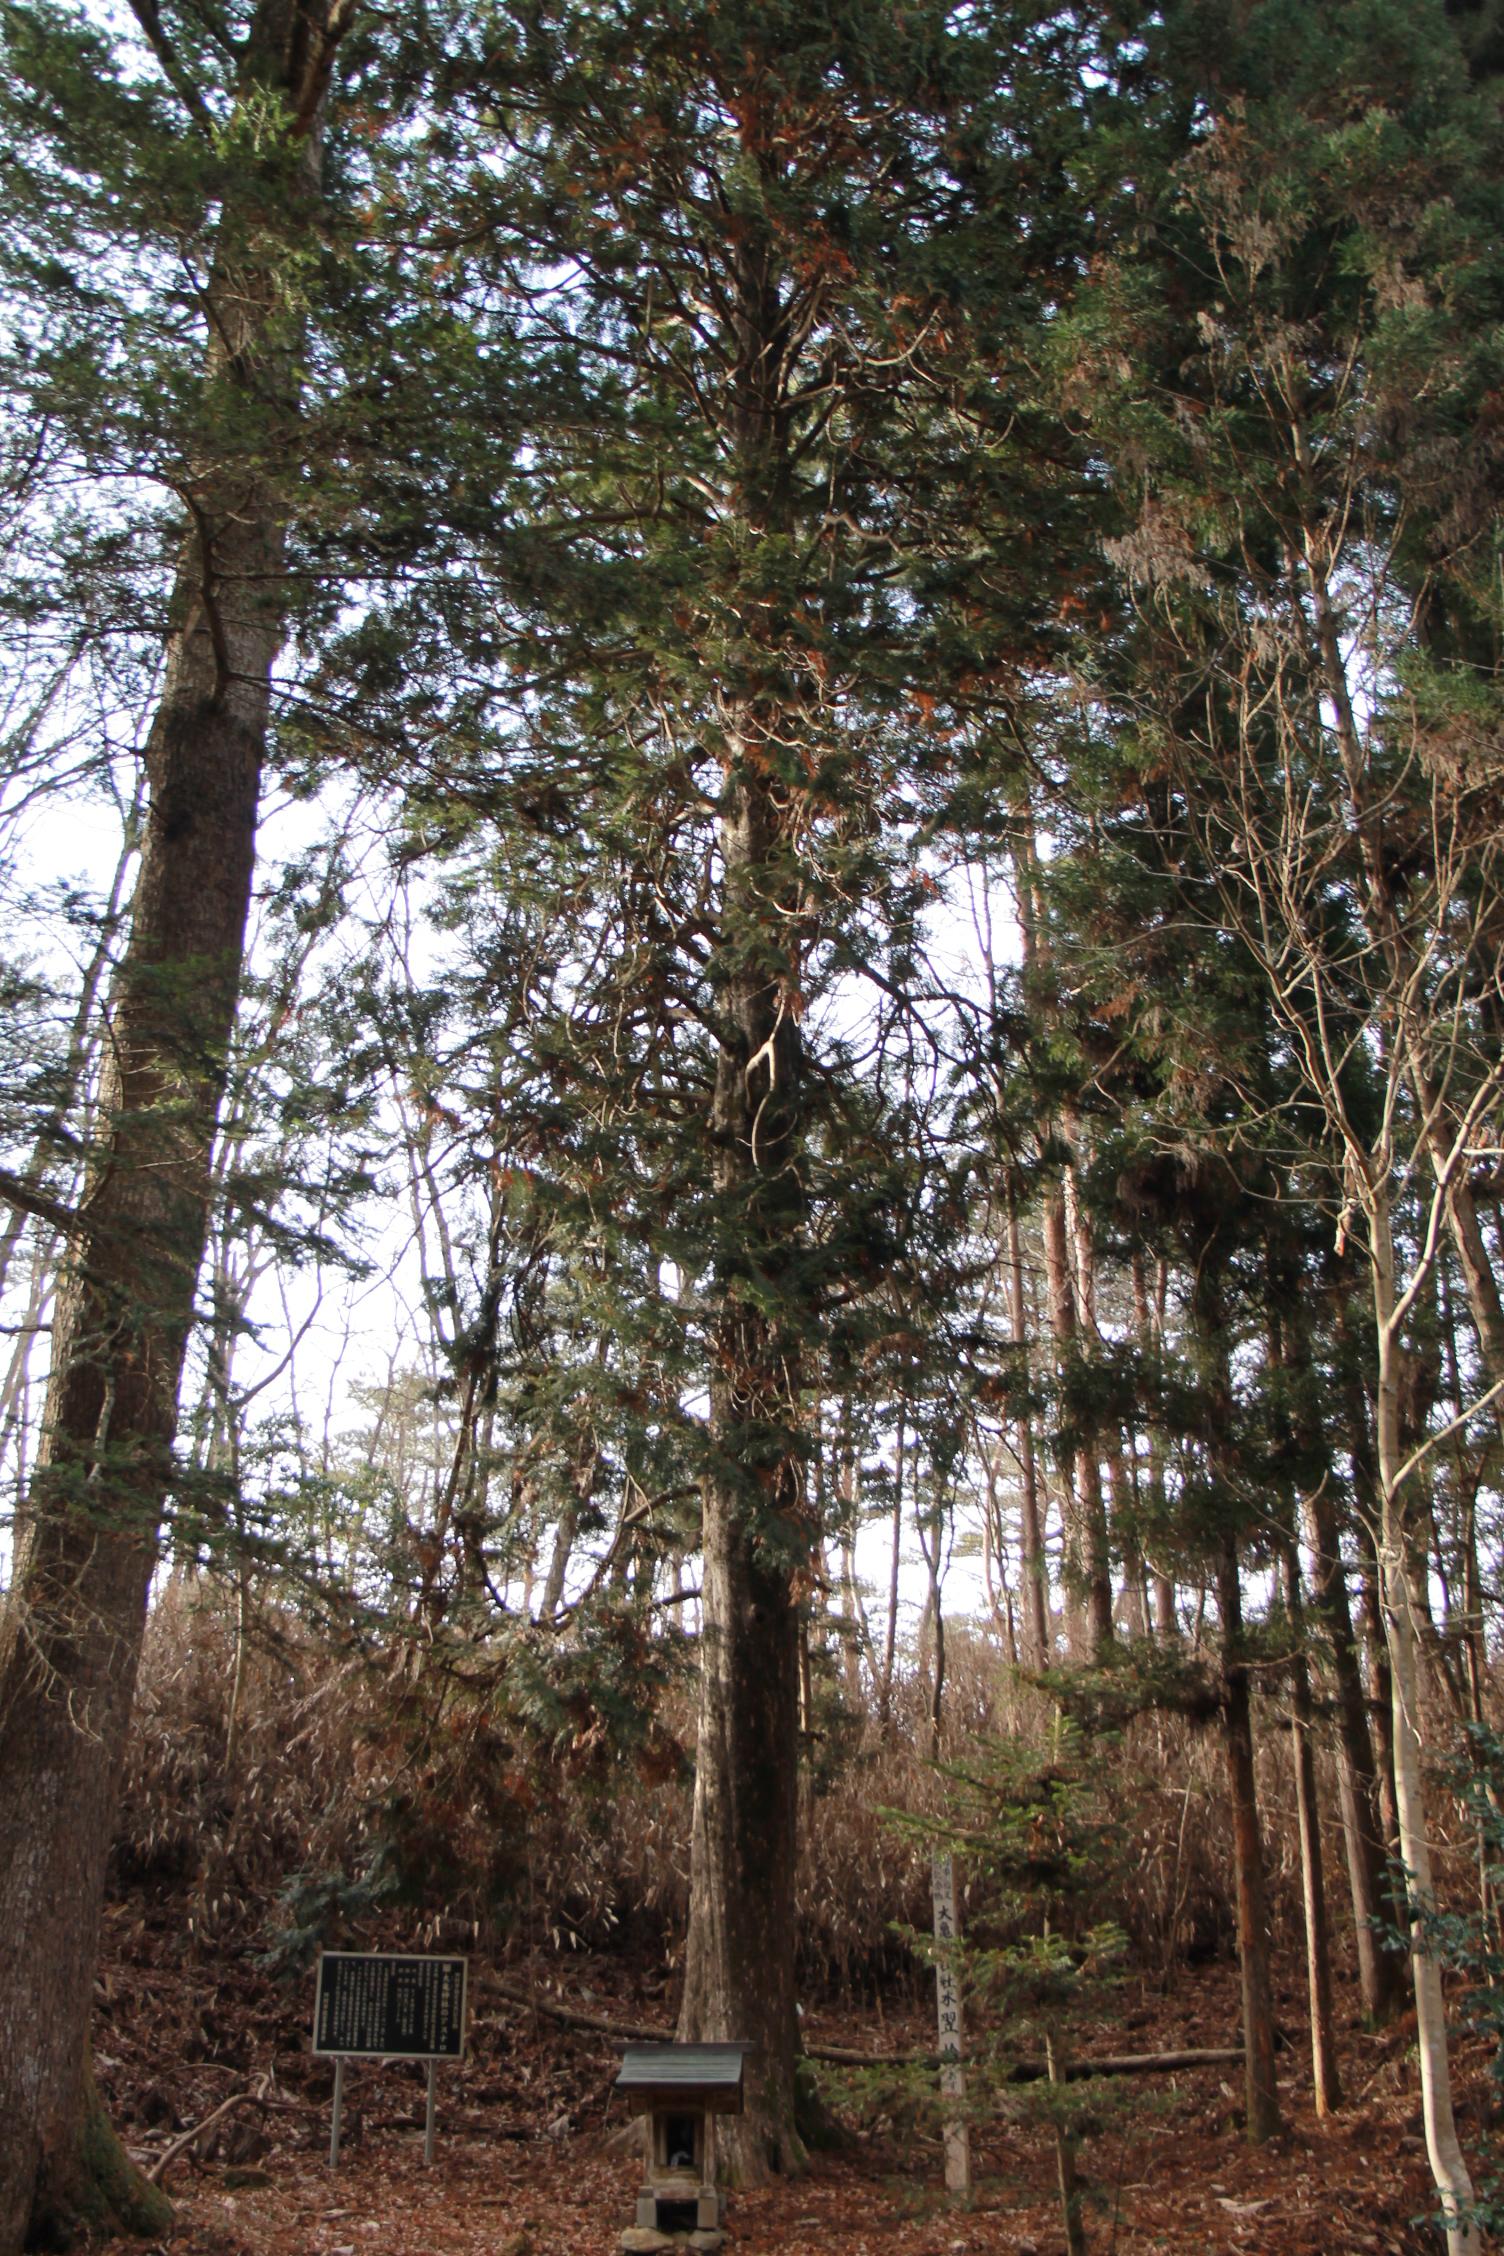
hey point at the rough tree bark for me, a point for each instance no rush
(739, 1973)
(758, 1535)
(70, 1637)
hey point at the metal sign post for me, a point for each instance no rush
(376, 2005)
(339, 2109)
(948, 2005)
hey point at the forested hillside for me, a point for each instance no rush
(753, 1100)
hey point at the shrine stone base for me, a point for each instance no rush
(646, 2240)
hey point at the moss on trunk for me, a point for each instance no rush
(96, 2189)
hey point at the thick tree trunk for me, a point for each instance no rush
(757, 1534)
(739, 1975)
(70, 1637)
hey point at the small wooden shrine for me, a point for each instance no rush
(681, 2088)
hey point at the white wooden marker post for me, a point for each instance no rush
(948, 2004)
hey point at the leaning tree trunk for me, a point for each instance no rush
(70, 1637)
(756, 1538)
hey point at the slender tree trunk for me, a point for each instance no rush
(1380, 1688)
(1095, 1533)
(1087, 1531)
(1443, 2147)
(1135, 1608)
(1478, 1277)
(1147, 1325)
(1325, 2081)
(1088, 1555)
(70, 1637)
(1401, 1588)
(1379, 1973)
(1261, 2117)
(856, 1637)
(930, 1527)
(855, 1634)
(558, 1562)
(895, 1561)
(1067, 2141)
(1035, 1564)
(1470, 1625)
(1262, 2099)
(1387, 925)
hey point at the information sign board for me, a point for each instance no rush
(399, 2008)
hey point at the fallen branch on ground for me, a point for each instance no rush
(844, 2056)
(181, 2145)
(573, 2018)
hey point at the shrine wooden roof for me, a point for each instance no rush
(709, 2075)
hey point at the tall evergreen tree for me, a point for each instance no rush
(167, 235)
(1305, 338)
(742, 249)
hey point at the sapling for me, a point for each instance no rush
(1028, 1828)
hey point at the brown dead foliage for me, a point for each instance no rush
(531, 2162)
(569, 1875)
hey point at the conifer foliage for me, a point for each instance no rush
(714, 495)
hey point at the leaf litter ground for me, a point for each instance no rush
(533, 2158)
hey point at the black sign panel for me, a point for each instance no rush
(371, 2002)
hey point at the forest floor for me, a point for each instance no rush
(531, 2159)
